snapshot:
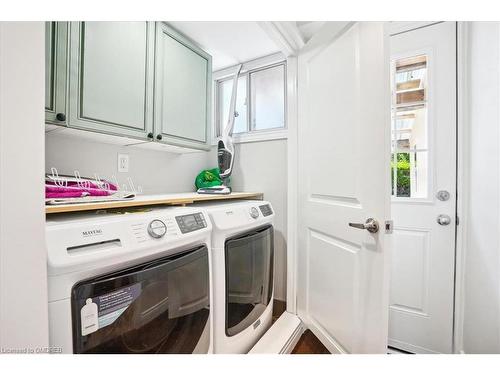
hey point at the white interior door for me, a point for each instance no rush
(343, 153)
(423, 75)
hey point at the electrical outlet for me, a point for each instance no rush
(123, 162)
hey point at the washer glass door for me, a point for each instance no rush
(160, 306)
(249, 278)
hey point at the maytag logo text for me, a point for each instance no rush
(92, 232)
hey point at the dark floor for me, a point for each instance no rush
(308, 343)
(279, 308)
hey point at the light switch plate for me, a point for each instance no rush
(123, 162)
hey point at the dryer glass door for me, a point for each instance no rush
(157, 307)
(249, 278)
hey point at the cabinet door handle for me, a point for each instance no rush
(61, 117)
(159, 137)
(150, 135)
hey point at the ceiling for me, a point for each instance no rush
(229, 43)
(308, 28)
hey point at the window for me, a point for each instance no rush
(260, 100)
(409, 130)
(225, 91)
(267, 92)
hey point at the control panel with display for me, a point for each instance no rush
(191, 222)
(266, 210)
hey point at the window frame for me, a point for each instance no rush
(251, 135)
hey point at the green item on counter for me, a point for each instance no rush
(208, 178)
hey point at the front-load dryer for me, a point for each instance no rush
(135, 282)
(243, 261)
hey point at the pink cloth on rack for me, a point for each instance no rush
(74, 190)
(72, 194)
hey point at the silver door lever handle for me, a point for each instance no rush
(371, 225)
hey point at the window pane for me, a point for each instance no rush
(409, 128)
(409, 172)
(411, 79)
(225, 92)
(268, 98)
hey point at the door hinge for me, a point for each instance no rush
(457, 220)
(389, 226)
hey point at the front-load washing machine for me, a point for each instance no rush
(135, 282)
(243, 257)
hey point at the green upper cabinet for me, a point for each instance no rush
(111, 77)
(140, 80)
(56, 58)
(183, 86)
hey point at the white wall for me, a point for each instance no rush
(23, 260)
(262, 167)
(481, 329)
(155, 171)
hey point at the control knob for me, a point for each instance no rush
(157, 229)
(254, 213)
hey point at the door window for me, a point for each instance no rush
(157, 307)
(249, 278)
(409, 130)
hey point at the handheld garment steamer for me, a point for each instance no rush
(225, 147)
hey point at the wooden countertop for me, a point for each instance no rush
(181, 199)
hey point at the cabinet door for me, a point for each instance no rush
(182, 90)
(56, 57)
(111, 78)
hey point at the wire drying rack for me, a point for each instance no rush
(92, 189)
(78, 182)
